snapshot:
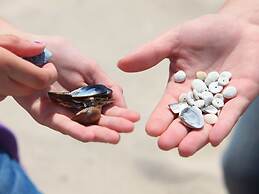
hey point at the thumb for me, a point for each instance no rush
(21, 47)
(150, 54)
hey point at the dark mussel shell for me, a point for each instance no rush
(91, 91)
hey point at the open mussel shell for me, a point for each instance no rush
(192, 117)
(91, 90)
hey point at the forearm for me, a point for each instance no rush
(244, 9)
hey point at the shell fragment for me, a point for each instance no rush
(179, 76)
(210, 119)
(176, 108)
(229, 92)
(192, 117)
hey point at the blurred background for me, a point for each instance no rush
(106, 30)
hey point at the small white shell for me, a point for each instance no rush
(210, 109)
(182, 97)
(198, 85)
(179, 76)
(215, 88)
(220, 96)
(229, 92)
(223, 81)
(210, 118)
(226, 74)
(192, 117)
(218, 103)
(190, 98)
(201, 75)
(207, 97)
(176, 108)
(212, 77)
(195, 94)
(199, 103)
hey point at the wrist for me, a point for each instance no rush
(247, 10)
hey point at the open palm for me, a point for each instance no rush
(75, 70)
(210, 43)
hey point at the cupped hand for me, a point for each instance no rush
(210, 43)
(75, 70)
(19, 77)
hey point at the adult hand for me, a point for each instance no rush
(75, 70)
(213, 42)
(18, 77)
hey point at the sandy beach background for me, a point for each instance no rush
(106, 30)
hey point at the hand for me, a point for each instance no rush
(17, 76)
(213, 42)
(75, 70)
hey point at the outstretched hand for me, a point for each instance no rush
(75, 70)
(213, 42)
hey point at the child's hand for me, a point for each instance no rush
(75, 70)
(18, 77)
(213, 42)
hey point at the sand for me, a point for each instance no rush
(106, 30)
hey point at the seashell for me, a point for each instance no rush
(207, 97)
(91, 90)
(218, 113)
(223, 81)
(196, 94)
(199, 103)
(212, 77)
(210, 118)
(182, 97)
(215, 88)
(226, 74)
(218, 103)
(201, 75)
(179, 76)
(176, 108)
(229, 92)
(190, 98)
(219, 95)
(210, 109)
(40, 59)
(198, 85)
(192, 117)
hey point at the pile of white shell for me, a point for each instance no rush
(206, 99)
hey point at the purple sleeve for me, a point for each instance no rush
(8, 142)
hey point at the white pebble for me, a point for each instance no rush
(190, 98)
(210, 118)
(212, 77)
(210, 109)
(226, 74)
(215, 88)
(207, 97)
(179, 76)
(199, 103)
(220, 96)
(198, 85)
(218, 103)
(201, 75)
(229, 92)
(178, 107)
(223, 81)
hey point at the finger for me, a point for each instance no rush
(161, 117)
(82, 133)
(122, 112)
(21, 47)
(194, 141)
(172, 136)
(228, 117)
(150, 54)
(116, 123)
(26, 73)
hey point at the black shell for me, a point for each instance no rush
(91, 91)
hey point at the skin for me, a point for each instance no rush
(19, 77)
(75, 70)
(221, 42)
